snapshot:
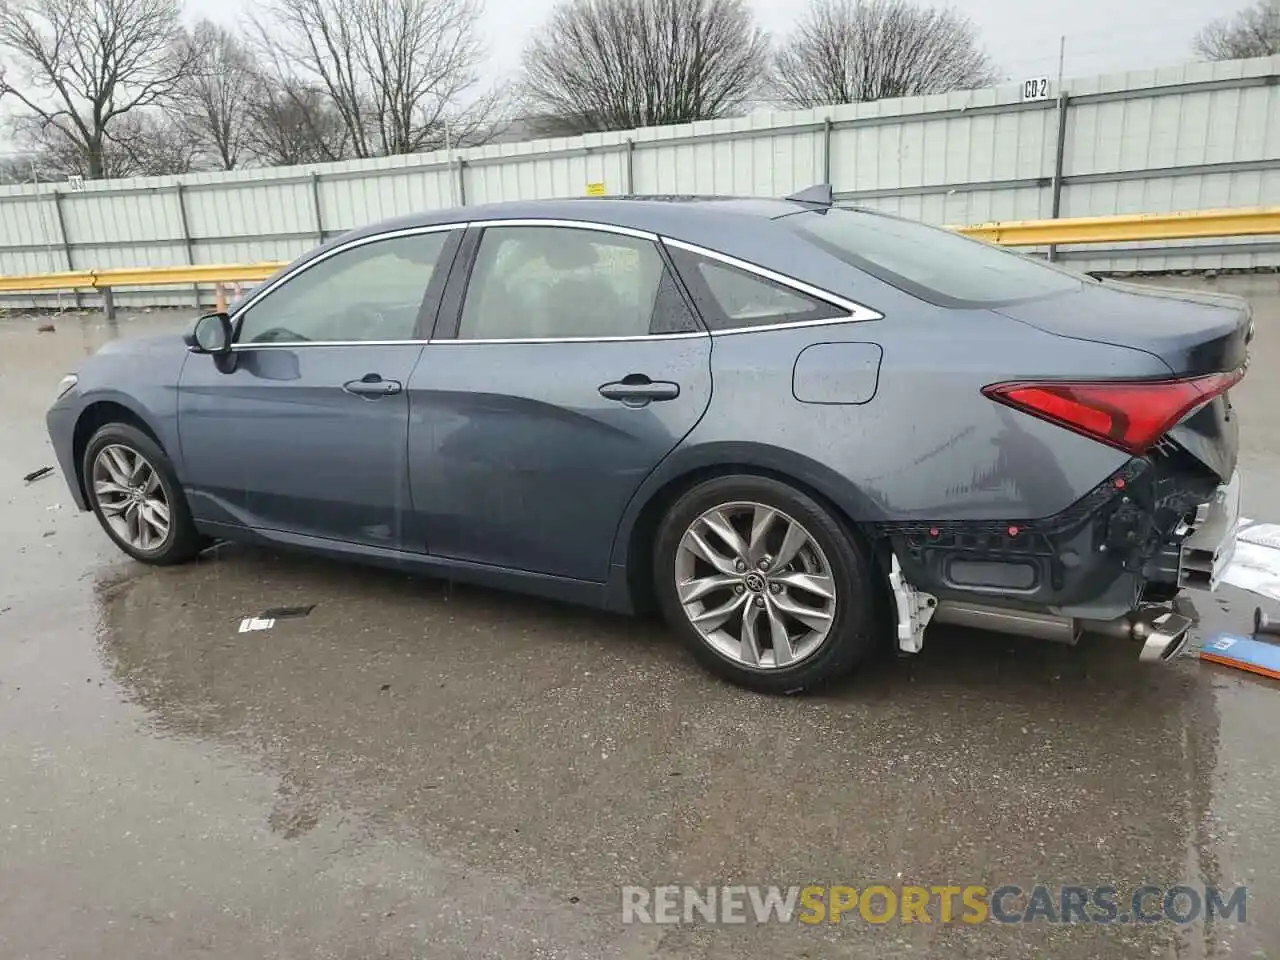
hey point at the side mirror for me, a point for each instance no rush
(211, 334)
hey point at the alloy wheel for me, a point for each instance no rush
(131, 497)
(755, 585)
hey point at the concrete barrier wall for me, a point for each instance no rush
(1190, 137)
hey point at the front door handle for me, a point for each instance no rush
(637, 390)
(371, 386)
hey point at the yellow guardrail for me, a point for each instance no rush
(139, 277)
(1017, 233)
(1129, 228)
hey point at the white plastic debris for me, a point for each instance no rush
(256, 623)
(1255, 565)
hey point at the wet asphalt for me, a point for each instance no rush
(420, 769)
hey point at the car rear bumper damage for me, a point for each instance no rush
(1112, 565)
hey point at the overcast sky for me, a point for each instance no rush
(1103, 36)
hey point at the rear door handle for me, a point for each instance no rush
(638, 390)
(371, 386)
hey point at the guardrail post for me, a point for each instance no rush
(630, 167)
(186, 239)
(66, 244)
(1055, 203)
(315, 204)
(462, 182)
(826, 150)
(109, 304)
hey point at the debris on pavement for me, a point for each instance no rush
(284, 613)
(267, 619)
(1255, 565)
(46, 328)
(1256, 532)
(1255, 656)
(1263, 623)
(40, 474)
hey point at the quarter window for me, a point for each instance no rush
(559, 282)
(373, 291)
(729, 298)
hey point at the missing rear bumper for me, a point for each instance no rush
(1162, 629)
(1211, 539)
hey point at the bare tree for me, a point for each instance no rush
(291, 123)
(847, 51)
(618, 64)
(141, 143)
(83, 65)
(18, 169)
(153, 142)
(394, 71)
(213, 99)
(1251, 32)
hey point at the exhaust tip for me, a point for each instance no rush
(1164, 637)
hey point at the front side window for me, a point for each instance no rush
(559, 282)
(373, 291)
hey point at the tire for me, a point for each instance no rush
(180, 541)
(831, 560)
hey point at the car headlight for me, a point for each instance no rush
(65, 385)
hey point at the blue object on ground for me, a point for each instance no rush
(1243, 653)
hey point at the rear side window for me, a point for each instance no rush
(729, 298)
(931, 263)
(532, 282)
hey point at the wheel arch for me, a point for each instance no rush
(98, 414)
(633, 545)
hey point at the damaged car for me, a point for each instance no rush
(802, 432)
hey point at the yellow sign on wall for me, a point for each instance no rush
(595, 190)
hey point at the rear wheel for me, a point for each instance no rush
(135, 495)
(765, 585)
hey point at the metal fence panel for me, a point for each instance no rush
(1181, 138)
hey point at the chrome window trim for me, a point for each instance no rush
(297, 344)
(301, 344)
(349, 245)
(641, 338)
(857, 312)
(571, 225)
(789, 325)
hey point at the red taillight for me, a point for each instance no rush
(1129, 414)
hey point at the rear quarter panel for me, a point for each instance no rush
(927, 445)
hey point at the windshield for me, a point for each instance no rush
(932, 263)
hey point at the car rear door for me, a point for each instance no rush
(305, 432)
(566, 364)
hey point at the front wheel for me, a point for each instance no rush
(135, 495)
(767, 588)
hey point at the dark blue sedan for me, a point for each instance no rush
(802, 432)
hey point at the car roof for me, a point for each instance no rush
(691, 218)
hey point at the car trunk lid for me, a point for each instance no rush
(1193, 332)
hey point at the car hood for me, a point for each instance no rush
(122, 365)
(162, 343)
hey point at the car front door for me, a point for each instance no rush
(555, 383)
(306, 433)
